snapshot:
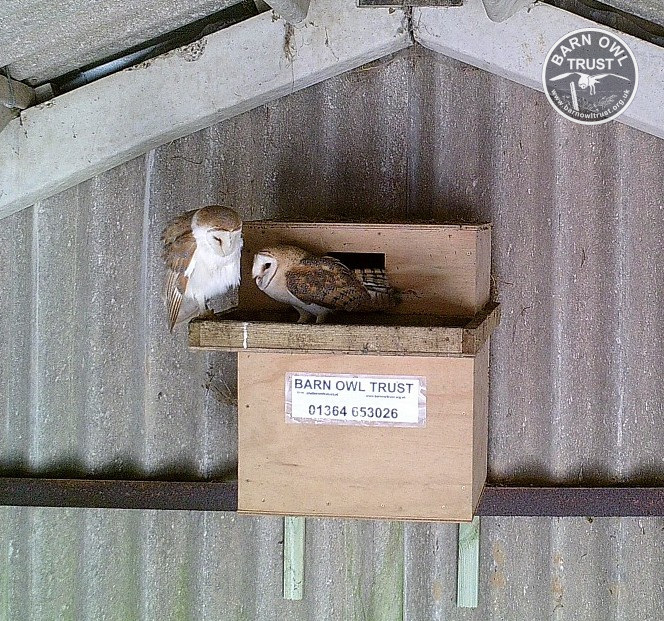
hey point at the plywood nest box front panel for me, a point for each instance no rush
(428, 464)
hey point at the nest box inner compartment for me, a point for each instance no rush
(439, 269)
(437, 336)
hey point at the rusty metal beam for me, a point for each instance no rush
(222, 496)
(572, 501)
(180, 495)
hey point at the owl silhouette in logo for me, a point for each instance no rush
(587, 81)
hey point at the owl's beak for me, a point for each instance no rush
(263, 280)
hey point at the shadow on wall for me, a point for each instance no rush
(533, 474)
(537, 473)
(391, 158)
(121, 470)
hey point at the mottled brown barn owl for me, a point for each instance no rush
(202, 254)
(316, 286)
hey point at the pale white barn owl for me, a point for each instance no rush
(316, 286)
(202, 254)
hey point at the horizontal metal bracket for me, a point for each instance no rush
(497, 500)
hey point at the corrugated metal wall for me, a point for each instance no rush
(93, 383)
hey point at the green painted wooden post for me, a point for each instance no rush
(468, 567)
(293, 557)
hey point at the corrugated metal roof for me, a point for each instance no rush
(640, 18)
(651, 10)
(43, 40)
(93, 383)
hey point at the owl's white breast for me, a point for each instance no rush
(277, 291)
(212, 274)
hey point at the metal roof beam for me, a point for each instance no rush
(515, 49)
(59, 144)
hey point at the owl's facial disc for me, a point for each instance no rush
(224, 242)
(263, 270)
(220, 241)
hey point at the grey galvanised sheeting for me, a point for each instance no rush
(43, 40)
(651, 10)
(541, 568)
(119, 565)
(93, 383)
(96, 393)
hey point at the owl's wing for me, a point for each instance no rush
(177, 227)
(179, 248)
(599, 76)
(382, 294)
(327, 282)
(563, 75)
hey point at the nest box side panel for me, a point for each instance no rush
(440, 269)
(353, 471)
(483, 268)
(480, 421)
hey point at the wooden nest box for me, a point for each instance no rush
(366, 416)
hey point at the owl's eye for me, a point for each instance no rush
(267, 266)
(221, 241)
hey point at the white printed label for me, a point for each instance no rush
(387, 400)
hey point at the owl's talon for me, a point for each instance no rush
(305, 317)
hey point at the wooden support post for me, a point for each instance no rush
(293, 557)
(468, 567)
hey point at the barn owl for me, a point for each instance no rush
(202, 254)
(316, 286)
